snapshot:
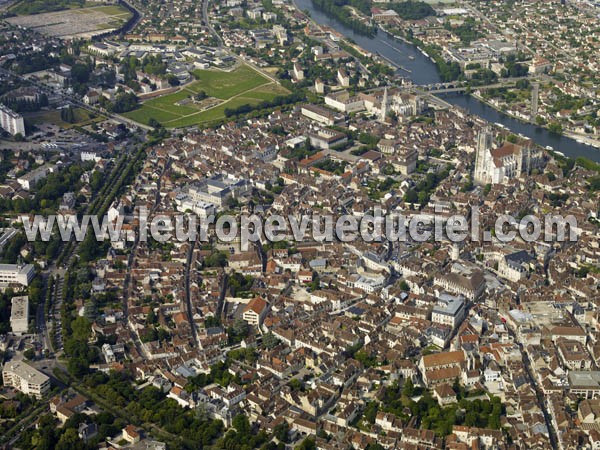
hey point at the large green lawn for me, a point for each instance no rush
(225, 85)
(239, 87)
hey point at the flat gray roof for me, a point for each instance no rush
(585, 379)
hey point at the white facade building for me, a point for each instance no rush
(342, 101)
(11, 274)
(11, 121)
(30, 179)
(25, 379)
(449, 310)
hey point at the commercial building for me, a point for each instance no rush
(16, 274)
(25, 379)
(11, 121)
(19, 313)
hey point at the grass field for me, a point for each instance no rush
(242, 86)
(82, 117)
(225, 85)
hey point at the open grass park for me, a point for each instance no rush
(241, 86)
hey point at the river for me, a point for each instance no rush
(421, 70)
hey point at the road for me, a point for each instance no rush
(41, 323)
(206, 20)
(188, 293)
(221, 303)
(538, 391)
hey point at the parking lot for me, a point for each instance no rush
(84, 23)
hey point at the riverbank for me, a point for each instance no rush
(575, 136)
(385, 48)
(587, 140)
(480, 98)
(584, 139)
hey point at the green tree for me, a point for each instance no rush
(409, 388)
(555, 127)
(29, 354)
(70, 441)
(307, 444)
(241, 424)
(281, 431)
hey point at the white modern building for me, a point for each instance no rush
(11, 121)
(16, 274)
(25, 379)
(19, 313)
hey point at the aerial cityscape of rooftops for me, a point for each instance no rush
(300, 224)
(247, 229)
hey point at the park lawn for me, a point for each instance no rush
(168, 103)
(163, 108)
(83, 116)
(224, 85)
(37, 118)
(253, 97)
(145, 113)
(28, 7)
(209, 115)
(243, 86)
(266, 92)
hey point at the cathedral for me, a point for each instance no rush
(497, 165)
